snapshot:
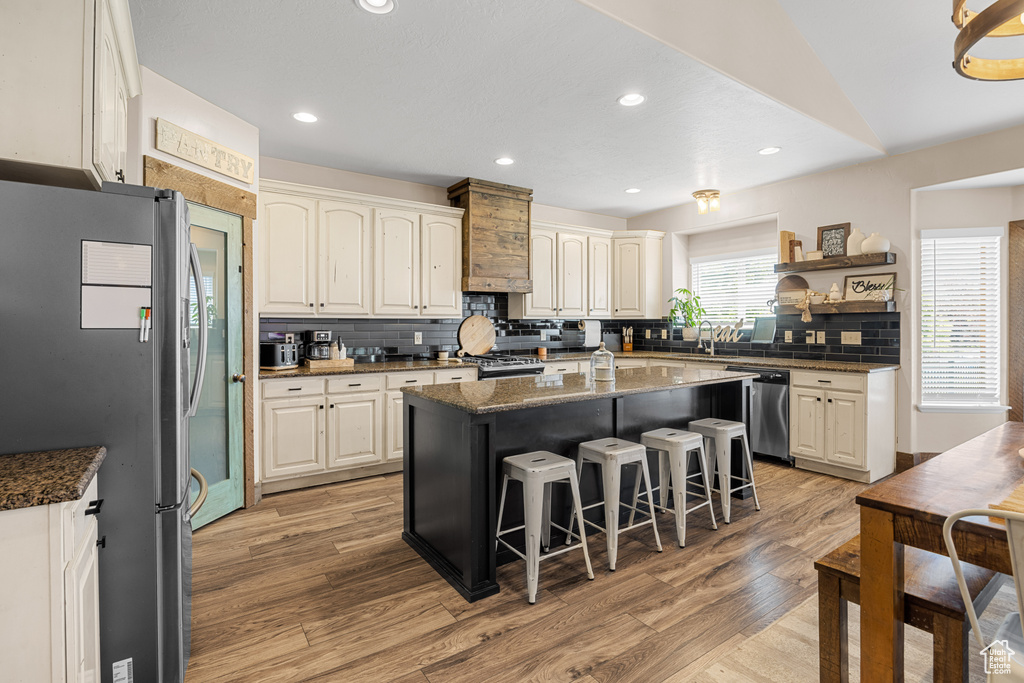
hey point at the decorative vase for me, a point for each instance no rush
(853, 242)
(874, 244)
(834, 294)
(689, 334)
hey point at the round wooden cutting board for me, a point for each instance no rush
(476, 336)
(791, 282)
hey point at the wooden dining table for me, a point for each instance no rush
(910, 509)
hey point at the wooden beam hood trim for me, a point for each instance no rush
(495, 235)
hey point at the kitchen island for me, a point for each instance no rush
(457, 434)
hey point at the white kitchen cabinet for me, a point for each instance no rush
(294, 436)
(353, 430)
(599, 277)
(558, 268)
(417, 265)
(50, 630)
(288, 254)
(572, 275)
(74, 130)
(440, 266)
(564, 367)
(394, 420)
(344, 263)
(636, 275)
(622, 363)
(829, 417)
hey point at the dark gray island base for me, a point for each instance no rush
(457, 434)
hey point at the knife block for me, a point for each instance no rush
(627, 347)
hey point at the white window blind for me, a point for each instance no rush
(735, 287)
(960, 321)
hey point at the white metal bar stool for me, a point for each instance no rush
(674, 447)
(611, 455)
(537, 471)
(722, 432)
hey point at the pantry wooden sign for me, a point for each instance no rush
(184, 144)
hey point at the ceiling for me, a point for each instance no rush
(438, 89)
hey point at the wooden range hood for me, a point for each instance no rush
(495, 235)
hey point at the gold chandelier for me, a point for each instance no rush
(707, 200)
(1001, 18)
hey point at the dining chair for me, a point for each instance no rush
(1001, 664)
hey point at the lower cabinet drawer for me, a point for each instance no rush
(843, 381)
(561, 368)
(409, 379)
(290, 388)
(355, 383)
(467, 374)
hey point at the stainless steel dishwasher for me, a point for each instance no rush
(769, 413)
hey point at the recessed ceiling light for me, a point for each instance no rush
(305, 117)
(631, 100)
(769, 150)
(376, 6)
(504, 161)
(633, 190)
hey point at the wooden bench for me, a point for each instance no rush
(932, 603)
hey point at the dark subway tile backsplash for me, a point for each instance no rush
(880, 334)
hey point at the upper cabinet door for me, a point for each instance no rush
(344, 235)
(543, 302)
(628, 264)
(599, 276)
(441, 267)
(572, 275)
(396, 240)
(287, 254)
(105, 96)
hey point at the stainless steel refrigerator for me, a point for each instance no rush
(76, 268)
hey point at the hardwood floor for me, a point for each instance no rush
(317, 584)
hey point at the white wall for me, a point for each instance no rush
(874, 196)
(321, 176)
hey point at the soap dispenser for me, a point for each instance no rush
(602, 365)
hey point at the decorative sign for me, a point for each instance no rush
(832, 239)
(186, 145)
(864, 287)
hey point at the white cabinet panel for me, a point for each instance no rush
(441, 266)
(344, 234)
(628, 264)
(844, 427)
(293, 436)
(81, 625)
(105, 137)
(806, 423)
(354, 430)
(572, 275)
(287, 254)
(394, 436)
(621, 363)
(543, 301)
(599, 277)
(396, 263)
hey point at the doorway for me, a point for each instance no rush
(215, 431)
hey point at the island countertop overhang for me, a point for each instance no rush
(501, 395)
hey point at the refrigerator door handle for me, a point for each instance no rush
(204, 322)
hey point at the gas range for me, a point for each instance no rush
(499, 367)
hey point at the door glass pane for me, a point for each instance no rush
(208, 430)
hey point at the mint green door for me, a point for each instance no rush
(215, 433)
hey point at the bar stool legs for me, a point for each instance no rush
(722, 432)
(537, 471)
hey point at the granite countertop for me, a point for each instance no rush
(780, 363)
(501, 395)
(406, 365)
(46, 477)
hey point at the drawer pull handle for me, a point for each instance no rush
(101, 542)
(824, 381)
(456, 378)
(356, 385)
(294, 388)
(411, 381)
(94, 507)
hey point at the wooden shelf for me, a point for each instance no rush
(842, 307)
(860, 260)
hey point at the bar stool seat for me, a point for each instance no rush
(722, 432)
(611, 455)
(537, 471)
(675, 446)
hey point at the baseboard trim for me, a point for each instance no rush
(264, 487)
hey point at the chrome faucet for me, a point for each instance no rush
(711, 336)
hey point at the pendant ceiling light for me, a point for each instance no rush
(1001, 18)
(707, 200)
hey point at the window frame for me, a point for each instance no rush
(770, 252)
(956, 405)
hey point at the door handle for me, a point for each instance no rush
(94, 507)
(238, 377)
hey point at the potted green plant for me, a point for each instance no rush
(686, 312)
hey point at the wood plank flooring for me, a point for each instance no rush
(317, 585)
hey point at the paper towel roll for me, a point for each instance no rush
(591, 332)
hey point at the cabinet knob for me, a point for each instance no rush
(311, 305)
(818, 400)
(101, 542)
(321, 406)
(94, 507)
(418, 306)
(321, 305)
(120, 174)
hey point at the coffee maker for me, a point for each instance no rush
(318, 343)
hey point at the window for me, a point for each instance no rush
(960, 316)
(735, 286)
